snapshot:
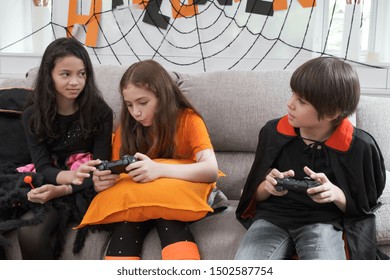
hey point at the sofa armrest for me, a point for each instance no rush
(383, 216)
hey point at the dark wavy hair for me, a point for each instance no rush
(158, 140)
(43, 98)
(330, 84)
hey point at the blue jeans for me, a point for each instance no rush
(266, 241)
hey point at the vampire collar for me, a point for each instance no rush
(340, 140)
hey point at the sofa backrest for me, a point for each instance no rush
(107, 78)
(373, 116)
(235, 105)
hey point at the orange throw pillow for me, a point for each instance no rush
(167, 198)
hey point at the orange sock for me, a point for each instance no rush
(183, 250)
(122, 258)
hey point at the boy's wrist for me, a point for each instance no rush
(261, 194)
(341, 200)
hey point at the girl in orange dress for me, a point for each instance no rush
(175, 171)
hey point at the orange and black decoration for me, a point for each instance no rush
(154, 17)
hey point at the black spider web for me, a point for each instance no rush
(201, 43)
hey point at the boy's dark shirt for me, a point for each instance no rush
(357, 164)
(298, 209)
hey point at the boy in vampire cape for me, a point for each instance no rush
(335, 219)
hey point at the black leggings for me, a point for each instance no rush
(34, 241)
(128, 237)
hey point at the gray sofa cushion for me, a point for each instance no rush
(236, 166)
(383, 214)
(236, 116)
(371, 117)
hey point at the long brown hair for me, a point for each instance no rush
(43, 98)
(158, 140)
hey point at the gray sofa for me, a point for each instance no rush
(235, 105)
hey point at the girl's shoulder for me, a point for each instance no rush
(27, 112)
(103, 109)
(101, 103)
(188, 115)
(364, 138)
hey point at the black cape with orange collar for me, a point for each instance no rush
(358, 165)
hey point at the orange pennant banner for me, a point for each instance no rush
(91, 21)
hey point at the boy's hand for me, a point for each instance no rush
(326, 192)
(270, 181)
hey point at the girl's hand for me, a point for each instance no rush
(84, 170)
(103, 179)
(46, 193)
(144, 170)
(326, 192)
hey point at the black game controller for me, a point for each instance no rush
(295, 185)
(118, 166)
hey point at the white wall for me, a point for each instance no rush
(236, 48)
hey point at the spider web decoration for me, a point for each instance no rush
(201, 35)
